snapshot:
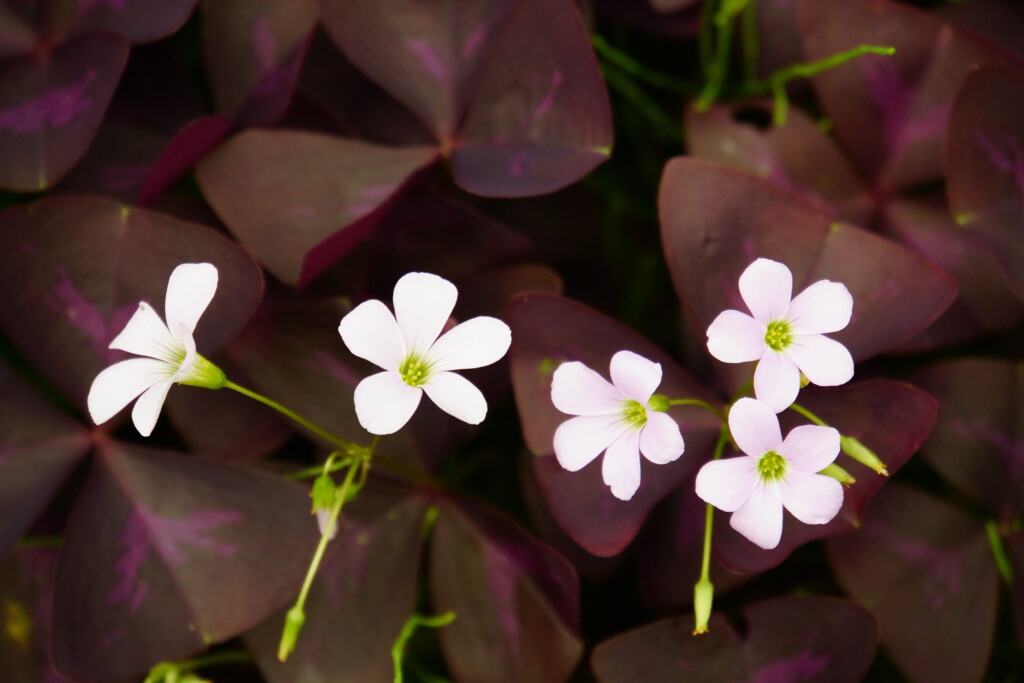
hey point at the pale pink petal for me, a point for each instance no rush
(190, 290)
(578, 390)
(323, 518)
(423, 303)
(754, 427)
(121, 383)
(776, 381)
(660, 440)
(146, 335)
(620, 468)
(579, 440)
(728, 483)
(811, 498)
(370, 332)
(810, 448)
(188, 344)
(735, 337)
(635, 376)
(760, 517)
(825, 361)
(825, 306)
(472, 344)
(147, 408)
(766, 287)
(384, 403)
(457, 396)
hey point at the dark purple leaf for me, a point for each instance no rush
(814, 638)
(1001, 21)
(364, 592)
(181, 153)
(985, 165)
(81, 266)
(116, 165)
(138, 21)
(1014, 544)
(926, 572)
(302, 200)
(516, 599)
(681, 24)
(978, 443)
(38, 447)
(890, 418)
(984, 303)
(716, 221)
(540, 118)
(891, 110)
(51, 105)
(165, 554)
(253, 53)
(549, 330)
(26, 589)
(17, 35)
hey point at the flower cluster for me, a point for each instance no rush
(785, 335)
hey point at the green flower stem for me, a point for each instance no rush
(776, 82)
(172, 671)
(631, 66)
(995, 541)
(347, 447)
(296, 615)
(718, 65)
(331, 465)
(751, 50)
(697, 402)
(665, 127)
(39, 542)
(809, 415)
(408, 629)
(704, 590)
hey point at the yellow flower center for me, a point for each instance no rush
(414, 371)
(778, 335)
(771, 466)
(634, 414)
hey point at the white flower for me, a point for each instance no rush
(785, 335)
(614, 418)
(774, 474)
(169, 350)
(414, 359)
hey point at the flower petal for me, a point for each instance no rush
(811, 498)
(810, 448)
(457, 396)
(620, 468)
(728, 483)
(146, 335)
(190, 290)
(767, 287)
(119, 385)
(776, 381)
(825, 361)
(754, 427)
(384, 403)
(735, 337)
(635, 376)
(760, 517)
(423, 303)
(147, 408)
(660, 439)
(578, 390)
(579, 440)
(825, 306)
(472, 344)
(369, 331)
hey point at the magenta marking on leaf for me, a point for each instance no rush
(940, 567)
(1011, 450)
(55, 108)
(473, 42)
(430, 60)
(191, 531)
(888, 93)
(1009, 161)
(66, 300)
(129, 588)
(805, 666)
(263, 44)
(501, 580)
(549, 97)
(517, 166)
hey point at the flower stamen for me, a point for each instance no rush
(771, 466)
(414, 371)
(779, 335)
(634, 414)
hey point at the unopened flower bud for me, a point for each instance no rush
(862, 454)
(703, 598)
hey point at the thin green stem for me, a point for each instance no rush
(171, 671)
(296, 615)
(327, 468)
(665, 127)
(704, 590)
(718, 67)
(995, 542)
(809, 415)
(706, 36)
(751, 49)
(40, 542)
(697, 402)
(637, 69)
(408, 629)
(346, 446)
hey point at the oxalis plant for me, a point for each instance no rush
(527, 340)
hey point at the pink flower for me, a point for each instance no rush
(614, 418)
(774, 474)
(785, 335)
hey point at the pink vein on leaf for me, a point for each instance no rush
(1008, 160)
(54, 108)
(805, 666)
